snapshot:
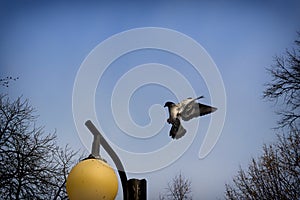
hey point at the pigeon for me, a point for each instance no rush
(185, 110)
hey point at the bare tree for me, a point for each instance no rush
(178, 189)
(32, 165)
(285, 85)
(274, 175)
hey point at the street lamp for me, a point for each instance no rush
(94, 179)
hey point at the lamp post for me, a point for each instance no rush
(94, 178)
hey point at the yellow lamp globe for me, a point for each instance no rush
(92, 179)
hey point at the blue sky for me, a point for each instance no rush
(44, 44)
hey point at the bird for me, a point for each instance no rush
(185, 110)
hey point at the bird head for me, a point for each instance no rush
(169, 104)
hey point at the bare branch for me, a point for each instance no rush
(6, 80)
(274, 175)
(32, 165)
(178, 189)
(285, 86)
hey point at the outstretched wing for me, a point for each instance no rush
(177, 130)
(196, 110)
(186, 104)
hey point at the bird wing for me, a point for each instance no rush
(181, 106)
(187, 104)
(195, 110)
(177, 130)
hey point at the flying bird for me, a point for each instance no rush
(185, 110)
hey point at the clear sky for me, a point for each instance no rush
(45, 42)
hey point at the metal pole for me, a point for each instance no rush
(137, 189)
(99, 139)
